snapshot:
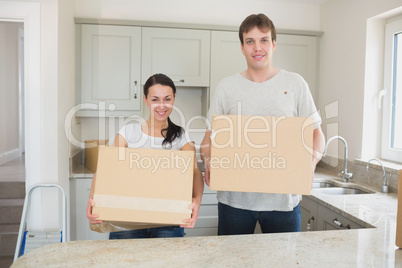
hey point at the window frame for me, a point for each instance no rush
(392, 27)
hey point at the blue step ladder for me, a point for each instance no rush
(34, 240)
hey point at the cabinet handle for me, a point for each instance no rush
(309, 223)
(339, 224)
(135, 89)
(178, 80)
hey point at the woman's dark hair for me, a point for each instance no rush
(261, 21)
(173, 131)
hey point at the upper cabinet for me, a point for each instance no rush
(117, 60)
(110, 66)
(226, 57)
(297, 53)
(181, 54)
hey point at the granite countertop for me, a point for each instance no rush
(373, 247)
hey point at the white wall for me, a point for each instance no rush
(66, 83)
(343, 67)
(57, 97)
(223, 12)
(49, 93)
(9, 100)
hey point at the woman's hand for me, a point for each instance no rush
(207, 172)
(91, 217)
(195, 207)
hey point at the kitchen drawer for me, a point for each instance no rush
(208, 210)
(201, 232)
(327, 219)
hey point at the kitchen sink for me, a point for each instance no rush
(323, 184)
(342, 191)
(330, 188)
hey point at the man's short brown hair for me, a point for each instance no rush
(261, 21)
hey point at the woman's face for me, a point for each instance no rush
(160, 101)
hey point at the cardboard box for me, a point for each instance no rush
(398, 241)
(144, 186)
(262, 154)
(91, 153)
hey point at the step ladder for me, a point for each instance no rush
(38, 239)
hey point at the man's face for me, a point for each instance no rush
(258, 48)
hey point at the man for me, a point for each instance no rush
(268, 91)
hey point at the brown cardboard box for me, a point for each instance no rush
(262, 154)
(91, 153)
(144, 185)
(398, 241)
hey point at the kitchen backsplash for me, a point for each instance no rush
(374, 176)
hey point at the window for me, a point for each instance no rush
(392, 113)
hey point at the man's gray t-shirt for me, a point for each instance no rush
(285, 94)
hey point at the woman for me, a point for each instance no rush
(158, 132)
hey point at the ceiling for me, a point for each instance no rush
(311, 2)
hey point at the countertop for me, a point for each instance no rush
(370, 247)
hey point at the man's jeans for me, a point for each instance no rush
(169, 231)
(234, 221)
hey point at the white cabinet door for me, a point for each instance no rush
(293, 53)
(308, 209)
(181, 54)
(110, 66)
(330, 220)
(80, 229)
(296, 53)
(226, 57)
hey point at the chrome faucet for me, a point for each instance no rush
(384, 187)
(346, 176)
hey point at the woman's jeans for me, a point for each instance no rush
(234, 221)
(168, 231)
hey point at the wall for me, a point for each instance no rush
(9, 99)
(66, 84)
(49, 66)
(223, 12)
(343, 68)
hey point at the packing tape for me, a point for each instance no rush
(142, 203)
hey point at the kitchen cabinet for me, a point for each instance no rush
(299, 54)
(226, 57)
(79, 224)
(322, 218)
(181, 54)
(330, 220)
(110, 66)
(295, 53)
(308, 209)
